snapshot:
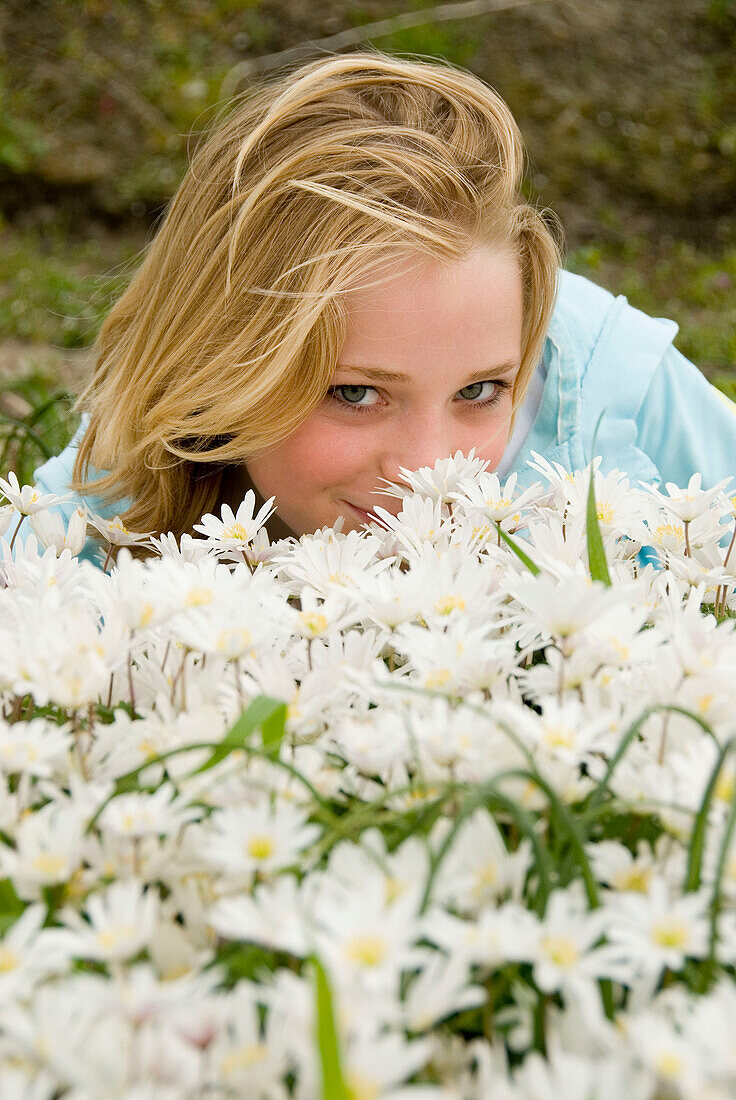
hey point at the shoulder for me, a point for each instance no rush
(608, 353)
(599, 322)
(616, 347)
(55, 476)
(580, 313)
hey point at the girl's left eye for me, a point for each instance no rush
(352, 391)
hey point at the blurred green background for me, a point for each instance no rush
(628, 109)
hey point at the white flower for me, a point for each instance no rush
(186, 548)
(478, 869)
(33, 747)
(47, 849)
(566, 954)
(421, 521)
(140, 814)
(655, 930)
(115, 532)
(273, 916)
(52, 531)
(508, 933)
(238, 529)
(444, 478)
(670, 1058)
(565, 607)
(690, 503)
(121, 922)
(7, 511)
(485, 497)
(28, 954)
(28, 498)
(322, 615)
(375, 1065)
(441, 989)
(245, 1059)
(362, 939)
(246, 839)
(334, 560)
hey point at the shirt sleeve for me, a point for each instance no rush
(687, 426)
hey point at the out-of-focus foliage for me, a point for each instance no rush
(56, 289)
(624, 103)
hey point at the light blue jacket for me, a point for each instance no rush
(663, 420)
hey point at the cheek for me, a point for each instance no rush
(489, 441)
(319, 454)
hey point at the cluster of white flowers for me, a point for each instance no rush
(489, 796)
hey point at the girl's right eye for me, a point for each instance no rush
(347, 402)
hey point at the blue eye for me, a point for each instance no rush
(498, 385)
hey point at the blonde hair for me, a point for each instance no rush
(228, 335)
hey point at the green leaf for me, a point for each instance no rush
(596, 554)
(11, 906)
(268, 713)
(489, 795)
(263, 711)
(518, 551)
(333, 1082)
(697, 837)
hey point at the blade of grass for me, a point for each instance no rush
(333, 1081)
(269, 714)
(513, 545)
(596, 554)
(697, 837)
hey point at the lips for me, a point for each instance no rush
(366, 516)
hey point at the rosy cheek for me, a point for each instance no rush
(324, 451)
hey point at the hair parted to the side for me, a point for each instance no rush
(317, 180)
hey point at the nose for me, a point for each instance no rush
(418, 441)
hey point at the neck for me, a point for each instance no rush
(239, 483)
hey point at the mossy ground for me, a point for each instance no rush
(627, 108)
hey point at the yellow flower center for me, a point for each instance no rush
(197, 597)
(634, 878)
(260, 847)
(668, 1065)
(561, 950)
(49, 863)
(486, 875)
(313, 622)
(146, 614)
(447, 604)
(361, 1088)
(559, 737)
(670, 932)
(668, 530)
(394, 889)
(438, 678)
(725, 786)
(366, 949)
(236, 531)
(8, 960)
(229, 639)
(243, 1058)
(111, 937)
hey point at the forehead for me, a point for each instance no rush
(470, 307)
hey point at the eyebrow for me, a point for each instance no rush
(493, 371)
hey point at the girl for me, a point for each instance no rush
(348, 281)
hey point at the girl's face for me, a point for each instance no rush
(427, 369)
